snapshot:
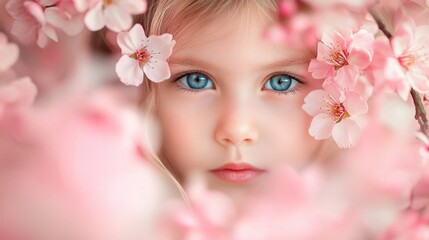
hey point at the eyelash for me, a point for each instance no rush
(279, 93)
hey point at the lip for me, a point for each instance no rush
(237, 172)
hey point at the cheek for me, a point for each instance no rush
(183, 126)
(287, 132)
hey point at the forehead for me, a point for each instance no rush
(234, 40)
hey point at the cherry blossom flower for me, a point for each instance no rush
(410, 64)
(143, 55)
(116, 15)
(342, 56)
(10, 50)
(335, 113)
(37, 20)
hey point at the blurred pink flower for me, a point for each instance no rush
(115, 15)
(143, 55)
(410, 225)
(35, 20)
(335, 113)
(16, 95)
(342, 56)
(288, 206)
(10, 50)
(89, 180)
(84, 5)
(403, 63)
(210, 216)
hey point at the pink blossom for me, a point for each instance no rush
(115, 15)
(10, 50)
(290, 205)
(84, 5)
(143, 55)
(403, 63)
(17, 94)
(410, 64)
(410, 225)
(342, 56)
(335, 114)
(36, 21)
(210, 216)
(89, 180)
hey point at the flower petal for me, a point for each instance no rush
(35, 10)
(157, 71)
(160, 47)
(117, 19)
(346, 133)
(131, 41)
(134, 6)
(129, 71)
(11, 51)
(354, 104)
(320, 70)
(94, 20)
(418, 82)
(321, 126)
(314, 102)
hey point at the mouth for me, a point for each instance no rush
(237, 172)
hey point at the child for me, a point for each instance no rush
(231, 112)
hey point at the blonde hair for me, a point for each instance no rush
(175, 17)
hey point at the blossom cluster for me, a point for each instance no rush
(364, 56)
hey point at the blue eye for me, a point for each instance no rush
(281, 83)
(195, 81)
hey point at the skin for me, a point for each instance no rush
(238, 119)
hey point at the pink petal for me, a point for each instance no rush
(35, 10)
(134, 6)
(333, 90)
(129, 71)
(161, 47)
(347, 76)
(393, 70)
(42, 39)
(354, 104)
(320, 70)
(360, 57)
(25, 31)
(346, 133)
(117, 19)
(94, 20)
(314, 102)
(321, 126)
(11, 51)
(157, 71)
(403, 37)
(48, 2)
(418, 82)
(50, 32)
(131, 41)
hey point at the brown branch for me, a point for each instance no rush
(380, 24)
(420, 115)
(420, 111)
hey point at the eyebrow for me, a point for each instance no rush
(189, 62)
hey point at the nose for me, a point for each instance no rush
(236, 126)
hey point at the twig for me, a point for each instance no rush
(420, 111)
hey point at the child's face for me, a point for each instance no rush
(235, 97)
